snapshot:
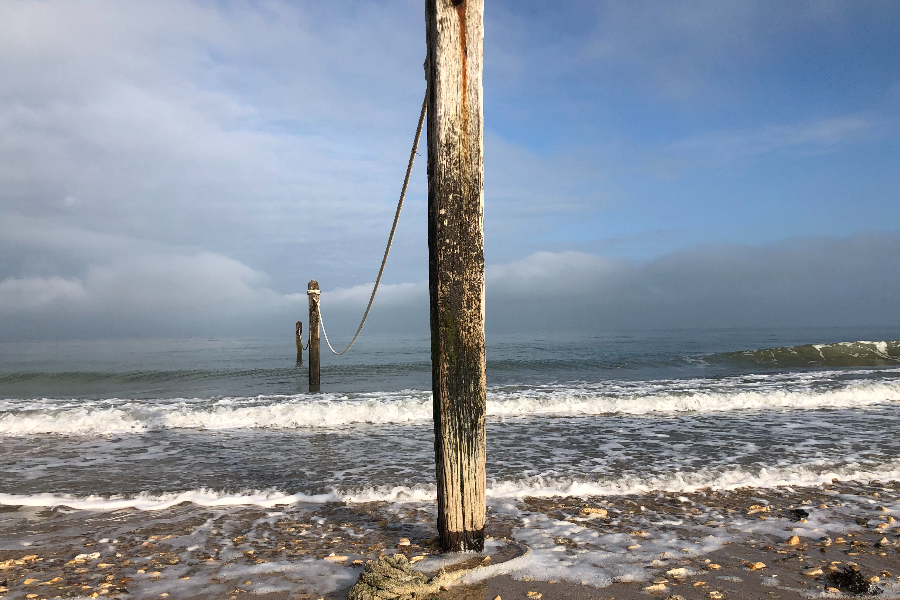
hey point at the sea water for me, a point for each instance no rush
(151, 423)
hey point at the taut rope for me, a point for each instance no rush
(387, 250)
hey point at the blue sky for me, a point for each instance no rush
(705, 122)
(184, 167)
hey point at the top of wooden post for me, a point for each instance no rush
(313, 287)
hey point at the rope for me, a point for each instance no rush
(387, 250)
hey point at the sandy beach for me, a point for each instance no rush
(741, 543)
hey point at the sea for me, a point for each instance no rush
(152, 423)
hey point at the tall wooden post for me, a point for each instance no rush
(312, 290)
(298, 333)
(455, 36)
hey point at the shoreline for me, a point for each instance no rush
(655, 544)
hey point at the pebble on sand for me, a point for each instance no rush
(756, 566)
(793, 541)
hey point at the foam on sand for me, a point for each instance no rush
(147, 501)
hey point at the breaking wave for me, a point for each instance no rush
(763, 392)
(842, 354)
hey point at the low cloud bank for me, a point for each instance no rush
(165, 291)
(799, 282)
(151, 295)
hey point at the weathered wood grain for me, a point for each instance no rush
(455, 35)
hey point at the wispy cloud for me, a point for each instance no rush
(819, 134)
(717, 148)
(675, 52)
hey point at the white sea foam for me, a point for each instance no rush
(691, 482)
(503, 490)
(147, 501)
(86, 420)
(565, 403)
(797, 392)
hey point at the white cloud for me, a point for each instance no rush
(176, 291)
(204, 286)
(184, 165)
(551, 275)
(802, 281)
(816, 281)
(33, 293)
(125, 286)
(357, 297)
(247, 129)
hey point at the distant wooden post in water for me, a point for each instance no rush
(312, 290)
(299, 336)
(455, 36)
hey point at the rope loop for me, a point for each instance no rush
(387, 250)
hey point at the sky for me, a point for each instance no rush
(184, 168)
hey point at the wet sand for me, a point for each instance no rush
(706, 544)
